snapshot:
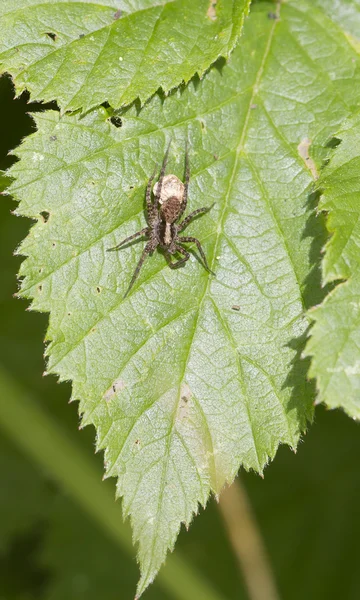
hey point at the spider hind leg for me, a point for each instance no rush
(181, 261)
(199, 247)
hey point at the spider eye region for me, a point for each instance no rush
(171, 186)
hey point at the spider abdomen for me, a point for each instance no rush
(170, 209)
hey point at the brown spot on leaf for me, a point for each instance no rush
(117, 15)
(236, 307)
(117, 386)
(303, 150)
(51, 35)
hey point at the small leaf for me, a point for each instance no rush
(182, 387)
(82, 53)
(335, 340)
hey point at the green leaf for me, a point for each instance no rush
(83, 53)
(191, 375)
(335, 340)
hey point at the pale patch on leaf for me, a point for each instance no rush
(303, 149)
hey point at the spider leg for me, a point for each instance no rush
(187, 179)
(196, 212)
(162, 173)
(180, 262)
(149, 204)
(128, 239)
(148, 248)
(199, 247)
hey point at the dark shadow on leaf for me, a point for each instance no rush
(312, 290)
(303, 390)
(219, 64)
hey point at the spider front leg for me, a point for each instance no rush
(144, 231)
(150, 246)
(187, 179)
(149, 205)
(162, 173)
(196, 212)
(199, 247)
(182, 261)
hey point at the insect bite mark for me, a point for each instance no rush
(116, 121)
(45, 216)
(51, 35)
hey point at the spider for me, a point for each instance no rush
(170, 195)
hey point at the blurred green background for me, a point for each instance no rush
(51, 548)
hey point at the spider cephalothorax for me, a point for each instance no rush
(170, 200)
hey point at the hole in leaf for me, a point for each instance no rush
(51, 35)
(40, 288)
(81, 35)
(116, 121)
(98, 289)
(53, 244)
(45, 215)
(333, 142)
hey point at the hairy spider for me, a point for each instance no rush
(170, 200)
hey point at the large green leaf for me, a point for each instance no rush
(82, 53)
(182, 387)
(335, 340)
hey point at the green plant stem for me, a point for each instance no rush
(247, 543)
(41, 438)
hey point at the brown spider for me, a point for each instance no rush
(170, 203)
